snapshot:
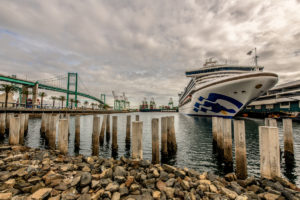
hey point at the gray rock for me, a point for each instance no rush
(169, 168)
(85, 179)
(120, 171)
(170, 182)
(120, 179)
(84, 197)
(116, 196)
(164, 176)
(112, 187)
(145, 163)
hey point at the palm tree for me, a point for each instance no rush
(53, 99)
(42, 95)
(86, 103)
(8, 89)
(77, 102)
(62, 99)
(26, 93)
(72, 101)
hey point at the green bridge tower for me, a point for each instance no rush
(72, 81)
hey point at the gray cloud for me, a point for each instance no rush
(144, 47)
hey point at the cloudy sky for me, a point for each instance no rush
(143, 48)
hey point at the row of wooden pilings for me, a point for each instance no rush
(53, 123)
(16, 125)
(268, 145)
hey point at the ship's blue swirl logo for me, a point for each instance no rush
(211, 104)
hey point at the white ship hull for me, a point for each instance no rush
(226, 97)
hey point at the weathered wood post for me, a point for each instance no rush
(288, 138)
(270, 122)
(14, 130)
(26, 123)
(101, 137)
(227, 143)
(77, 131)
(8, 117)
(22, 128)
(164, 136)
(47, 119)
(52, 132)
(63, 136)
(155, 142)
(2, 124)
(114, 133)
(95, 135)
(215, 130)
(269, 152)
(220, 139)
(240, 149)
(137, 118)
(128, 123)
(43, 123)
(107, 127)
(136, 144)
(171, 138)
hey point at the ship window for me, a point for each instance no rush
(243, 91)
(235, 92)
(258, 107)
(285, 105)
(269, 106)
(248, 107)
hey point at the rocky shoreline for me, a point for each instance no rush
(28, 173)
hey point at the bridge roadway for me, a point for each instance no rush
(46, 87)
(65, 110)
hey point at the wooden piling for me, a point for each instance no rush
(128, 123)
(270, 122)
(52, 132)
(8, 117)
(164, 136)
(101, 137)
(47, 120)
(114, 133)
(14, 130)
(63, 136)
(215, 130)
(227, 143)
(77, 131)
(220, 139)
(22, 128)
(136, 144)
(155, 142)
(95, 135)
(43, 123)
(269, 152)
(137, 118)
(288, 138)
(2, 124)
(107, 127)
(240, 149)
(171, 138)
(26, 123)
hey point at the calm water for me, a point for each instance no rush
(194, 140)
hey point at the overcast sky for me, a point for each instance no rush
(143, 48)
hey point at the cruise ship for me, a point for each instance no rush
(223, 89)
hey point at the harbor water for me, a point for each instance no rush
(194, 142)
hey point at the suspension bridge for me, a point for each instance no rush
(70, 84)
